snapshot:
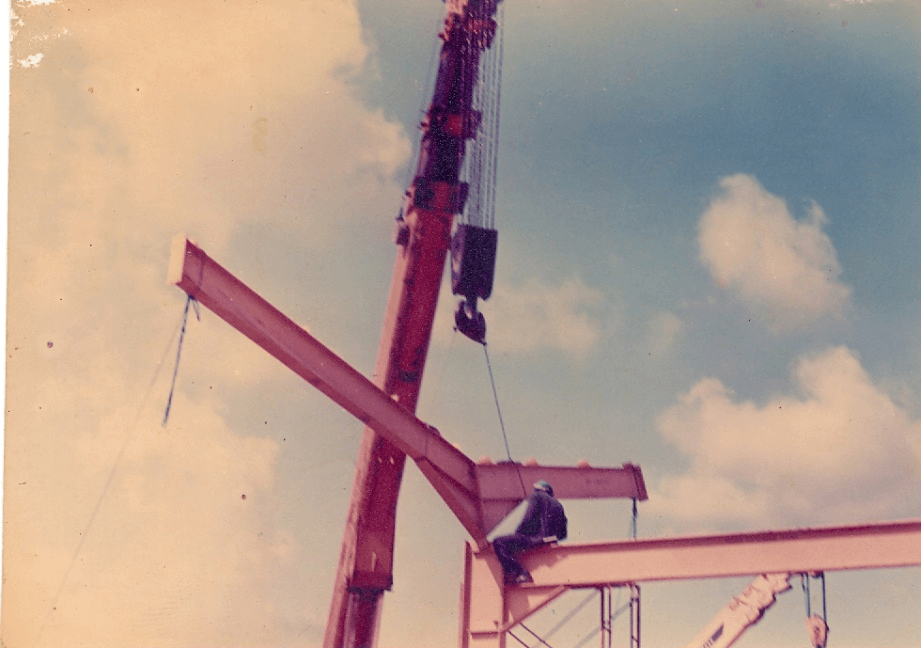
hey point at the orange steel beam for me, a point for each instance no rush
(480, 495)
(213, 286)
(489, 609)
(503, 485)
(192, 270)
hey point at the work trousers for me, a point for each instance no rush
(508, 547)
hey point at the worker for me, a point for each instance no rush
(544, 522)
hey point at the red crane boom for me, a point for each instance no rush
(365, 569)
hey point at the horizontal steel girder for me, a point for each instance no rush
(490, 607)
(890, 544)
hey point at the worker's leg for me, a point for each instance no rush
(506, 548)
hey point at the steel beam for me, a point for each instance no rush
(503, 480)
(504, 485)
(891, 544)
(192, 270)
(490, 608)
(479, 495)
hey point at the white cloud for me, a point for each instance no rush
(785, 270)
(567, 318)
(141, 121)
(839, 449)
(239, 117)
(122, 518)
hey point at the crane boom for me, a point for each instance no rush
(742, 612)
(423, 235)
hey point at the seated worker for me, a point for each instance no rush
(544, 521)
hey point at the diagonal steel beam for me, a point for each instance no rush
(192, 270)
(479, 495)
(214, 287)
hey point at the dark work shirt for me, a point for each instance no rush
(544, 517)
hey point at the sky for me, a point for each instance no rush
(708, 217)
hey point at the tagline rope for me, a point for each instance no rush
(185, 318)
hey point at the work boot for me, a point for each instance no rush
(523, 577)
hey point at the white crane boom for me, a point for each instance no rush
(742, 612)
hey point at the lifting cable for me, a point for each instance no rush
(508, 453)
(480, 165)
(496, 397)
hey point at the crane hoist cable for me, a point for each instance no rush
(495, 395)
(474, 242)
(508, 453)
